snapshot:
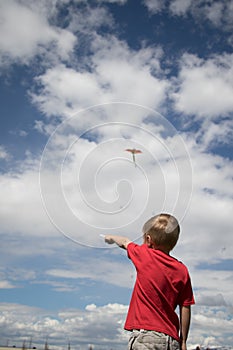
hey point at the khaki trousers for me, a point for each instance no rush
(151, 340)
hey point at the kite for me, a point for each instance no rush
(133, 151)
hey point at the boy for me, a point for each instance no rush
(162, 283)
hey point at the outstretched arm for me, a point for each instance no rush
(185, 316)
(121, 241)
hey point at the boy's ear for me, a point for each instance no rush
(148, 240)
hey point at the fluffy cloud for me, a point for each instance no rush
(108, 272)
(116, 74)
(211, 187)
(154, 6)
(26, 33)
(210, 318)
(89, 183)
(121, 2)
(205, 87)
(6, 285)
(179, 7)
(99, 326)
(216, 13)
(21, 196)
(4, 155)
(215, 133)
(202, 91)
(64, 90)
(108, 183)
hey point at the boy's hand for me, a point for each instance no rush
(108, 239)
(122, 242)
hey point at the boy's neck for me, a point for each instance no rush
(151, 244)
(162, 249)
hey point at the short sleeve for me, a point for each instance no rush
(135, 253)
(187, 297)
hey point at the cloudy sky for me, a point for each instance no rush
(81, 82)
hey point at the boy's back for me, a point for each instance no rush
(162, 283)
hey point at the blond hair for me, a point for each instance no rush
(163, 229)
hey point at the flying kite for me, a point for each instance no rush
(133, 151)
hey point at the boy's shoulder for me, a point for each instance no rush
(144, 247)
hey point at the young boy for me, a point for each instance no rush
(161, 285)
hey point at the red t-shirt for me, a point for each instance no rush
(162, 283)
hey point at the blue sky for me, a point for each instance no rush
(81, 81)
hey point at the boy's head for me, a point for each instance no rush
(161, 231)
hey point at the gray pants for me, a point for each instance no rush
(151, 340)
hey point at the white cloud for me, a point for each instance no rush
(132, 76)
(212, 300)
(109, 273)
(26, 33)
(97, 325)
(6, 285)
(65, 90)
(87, 20)
(201, 226)
(154, 6)
(114, 72)
(180, 7)
(205, 87)
(200, 243)
(17, 274)
(213, 134)
(117, 74)
(94, 183)
(121, 2)
(21, 203)
(3, 153)
(101, 326)
(210, 319)
(218, 13)
(215, 13)
(213, 288)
